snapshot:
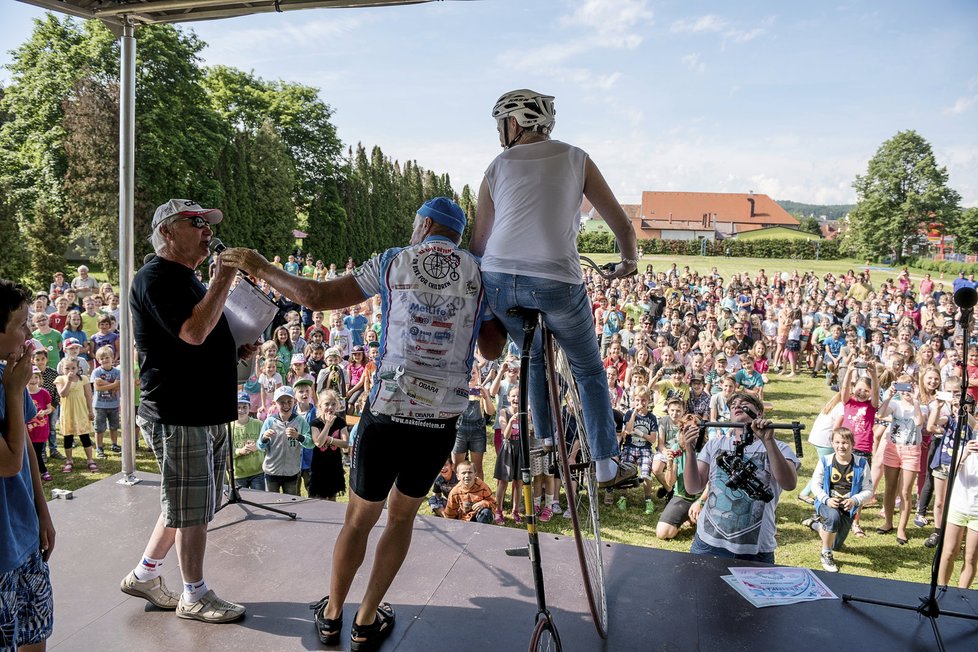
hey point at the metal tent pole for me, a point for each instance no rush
(127, 159)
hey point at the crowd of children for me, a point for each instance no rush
(678, 344)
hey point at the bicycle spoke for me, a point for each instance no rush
(580, 483)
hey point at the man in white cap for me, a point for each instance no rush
(433, 311)
(175, 319)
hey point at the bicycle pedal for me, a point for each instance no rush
(522, 551)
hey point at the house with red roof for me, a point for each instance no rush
(700, 215)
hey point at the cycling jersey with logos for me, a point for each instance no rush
(432, 306)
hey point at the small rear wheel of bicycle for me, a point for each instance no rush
(545, 637)
(580, 483)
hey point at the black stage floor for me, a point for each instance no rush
(457, 591)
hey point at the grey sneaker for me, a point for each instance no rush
(625, 473)
(100, 453)
(153, 591)
(210, 609)
(828, 562)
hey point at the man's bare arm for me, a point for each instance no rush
(317, 295)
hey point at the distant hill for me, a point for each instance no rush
(832, 212)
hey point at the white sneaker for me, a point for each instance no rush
(210, 609)
(154, 591)
(828, 562)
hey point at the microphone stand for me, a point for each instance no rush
(234, 494)
(929, 606)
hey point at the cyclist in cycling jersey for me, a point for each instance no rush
(526, 229)
(433, 314)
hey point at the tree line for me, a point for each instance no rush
(265, 152)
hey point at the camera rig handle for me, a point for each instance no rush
(795, 426)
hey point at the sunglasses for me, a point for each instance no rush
(196, 221)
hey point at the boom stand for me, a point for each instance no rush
(234, 494)
(929, 607)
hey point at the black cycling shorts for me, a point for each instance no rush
(392, 450)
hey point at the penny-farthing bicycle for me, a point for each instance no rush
(577, 473)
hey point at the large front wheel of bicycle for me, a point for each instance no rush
(545, 637)
(580, 483)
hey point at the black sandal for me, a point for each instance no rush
(375, 633)
(329, 629)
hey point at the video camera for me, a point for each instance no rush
(741, 472)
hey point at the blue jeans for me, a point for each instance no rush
(567, 313)
(256, 482)
(835, 520)
(53, 436)
(700, 548)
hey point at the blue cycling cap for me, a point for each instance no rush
(445, 212)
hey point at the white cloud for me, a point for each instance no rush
(685, 162)
(695, 62)
(961, 105)
(610, 17)
(743, 37)
(230, 43)
(713, 24)
(606, 24)
(707, 23)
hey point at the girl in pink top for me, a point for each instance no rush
(861, 400)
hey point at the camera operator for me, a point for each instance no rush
(737, 521)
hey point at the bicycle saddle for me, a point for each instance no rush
(528, 314)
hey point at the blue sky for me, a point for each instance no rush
(788, 99)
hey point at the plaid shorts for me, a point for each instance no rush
(26, 604)
(192, 461)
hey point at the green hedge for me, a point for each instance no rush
(800, 249)
(945, 266)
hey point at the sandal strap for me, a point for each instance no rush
(381, 624)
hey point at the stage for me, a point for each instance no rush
(458, 589)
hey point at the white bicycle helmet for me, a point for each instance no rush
(532, 110)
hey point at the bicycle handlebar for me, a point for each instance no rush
(606, 270)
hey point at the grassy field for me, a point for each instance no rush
(797, 398)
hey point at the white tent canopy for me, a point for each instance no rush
(122, 17)
(143, 12)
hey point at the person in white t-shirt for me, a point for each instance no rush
(526, 228)
(732, 524)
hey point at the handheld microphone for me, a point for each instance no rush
(215, 246)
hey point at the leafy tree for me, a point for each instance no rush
(903, 189)
(811, 225)
(179, 136)
(467, 202)
(44, 241)
(241, 223)
(13, 262)
(273, 180)
(91, 187)
(966, 232)
(327, 224)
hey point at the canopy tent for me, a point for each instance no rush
(116, 13)
(122, 17)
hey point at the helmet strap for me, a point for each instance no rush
(506, 139)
